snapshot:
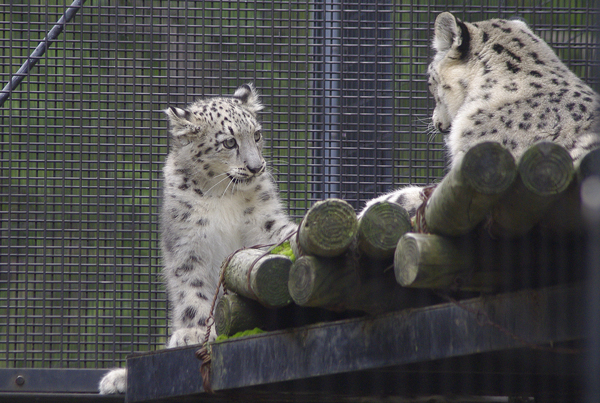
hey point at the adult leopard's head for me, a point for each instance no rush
(475, 62)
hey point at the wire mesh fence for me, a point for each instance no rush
(83, 138)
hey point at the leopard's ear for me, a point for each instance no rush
(181, 122)
(451, 36)
(250, 97)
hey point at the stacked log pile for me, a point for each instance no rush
(385, 262)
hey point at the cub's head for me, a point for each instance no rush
(219, 139)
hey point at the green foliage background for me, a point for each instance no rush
(83, 140)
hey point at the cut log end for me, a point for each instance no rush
(322, 282)
(471, 188)
(406, 261)
(431, 261)
(328, 228)
(259, 276)
(589, 165)
(271, 280)
(546, 169)
(234, 314)
(302, 280)
(489, 168)
(380, 228)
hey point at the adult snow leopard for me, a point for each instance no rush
(218, 197)
(496, 80)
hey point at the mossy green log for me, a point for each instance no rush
(235, 313)
(259, 276)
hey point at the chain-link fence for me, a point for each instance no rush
(83, 138)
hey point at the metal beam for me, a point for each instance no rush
(526, 319)
(52, 385)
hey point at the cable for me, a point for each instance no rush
(39, 51)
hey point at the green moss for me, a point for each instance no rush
(239, 334)
(284, 249)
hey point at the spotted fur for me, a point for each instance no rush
(496, 80)
(218, 197)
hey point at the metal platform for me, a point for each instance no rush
(21, 385)
(526, 343)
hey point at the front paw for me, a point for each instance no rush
(114, 382)
(190, 336)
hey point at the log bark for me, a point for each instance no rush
(328, 228)
(438, 262)
(335, 284)
(322, 282)
(544, 172)
(235, 313)
(380, 228)
(261, 277)
(565, 215)
(466, 195)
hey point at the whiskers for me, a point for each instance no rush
(431, 132)
(426, 125)
(233, 182)
(226, 176)
(232, 186)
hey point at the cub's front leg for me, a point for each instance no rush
(409, 197)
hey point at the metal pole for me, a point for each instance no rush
(331, 68)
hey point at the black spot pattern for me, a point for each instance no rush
(269, 225)
(264, 196)
(188, 314)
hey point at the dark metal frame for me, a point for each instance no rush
(379, 356)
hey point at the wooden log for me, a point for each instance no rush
(328, 228)
(380, 228)
(588, 166)
(261, 277)
(322, 282)
(565, 214)
(335, 284)
(235, 313)
(438, 262)
(545, 171)
(466, 195)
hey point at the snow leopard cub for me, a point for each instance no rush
(496, 80)
(218, 197)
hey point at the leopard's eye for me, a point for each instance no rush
(257, 136)
(229, 143)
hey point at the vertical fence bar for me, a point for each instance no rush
(326, 120)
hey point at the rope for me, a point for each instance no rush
(483, 319)
(204, 354)
(420, 224)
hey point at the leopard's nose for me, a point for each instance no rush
(255, 168)
(442, 129)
